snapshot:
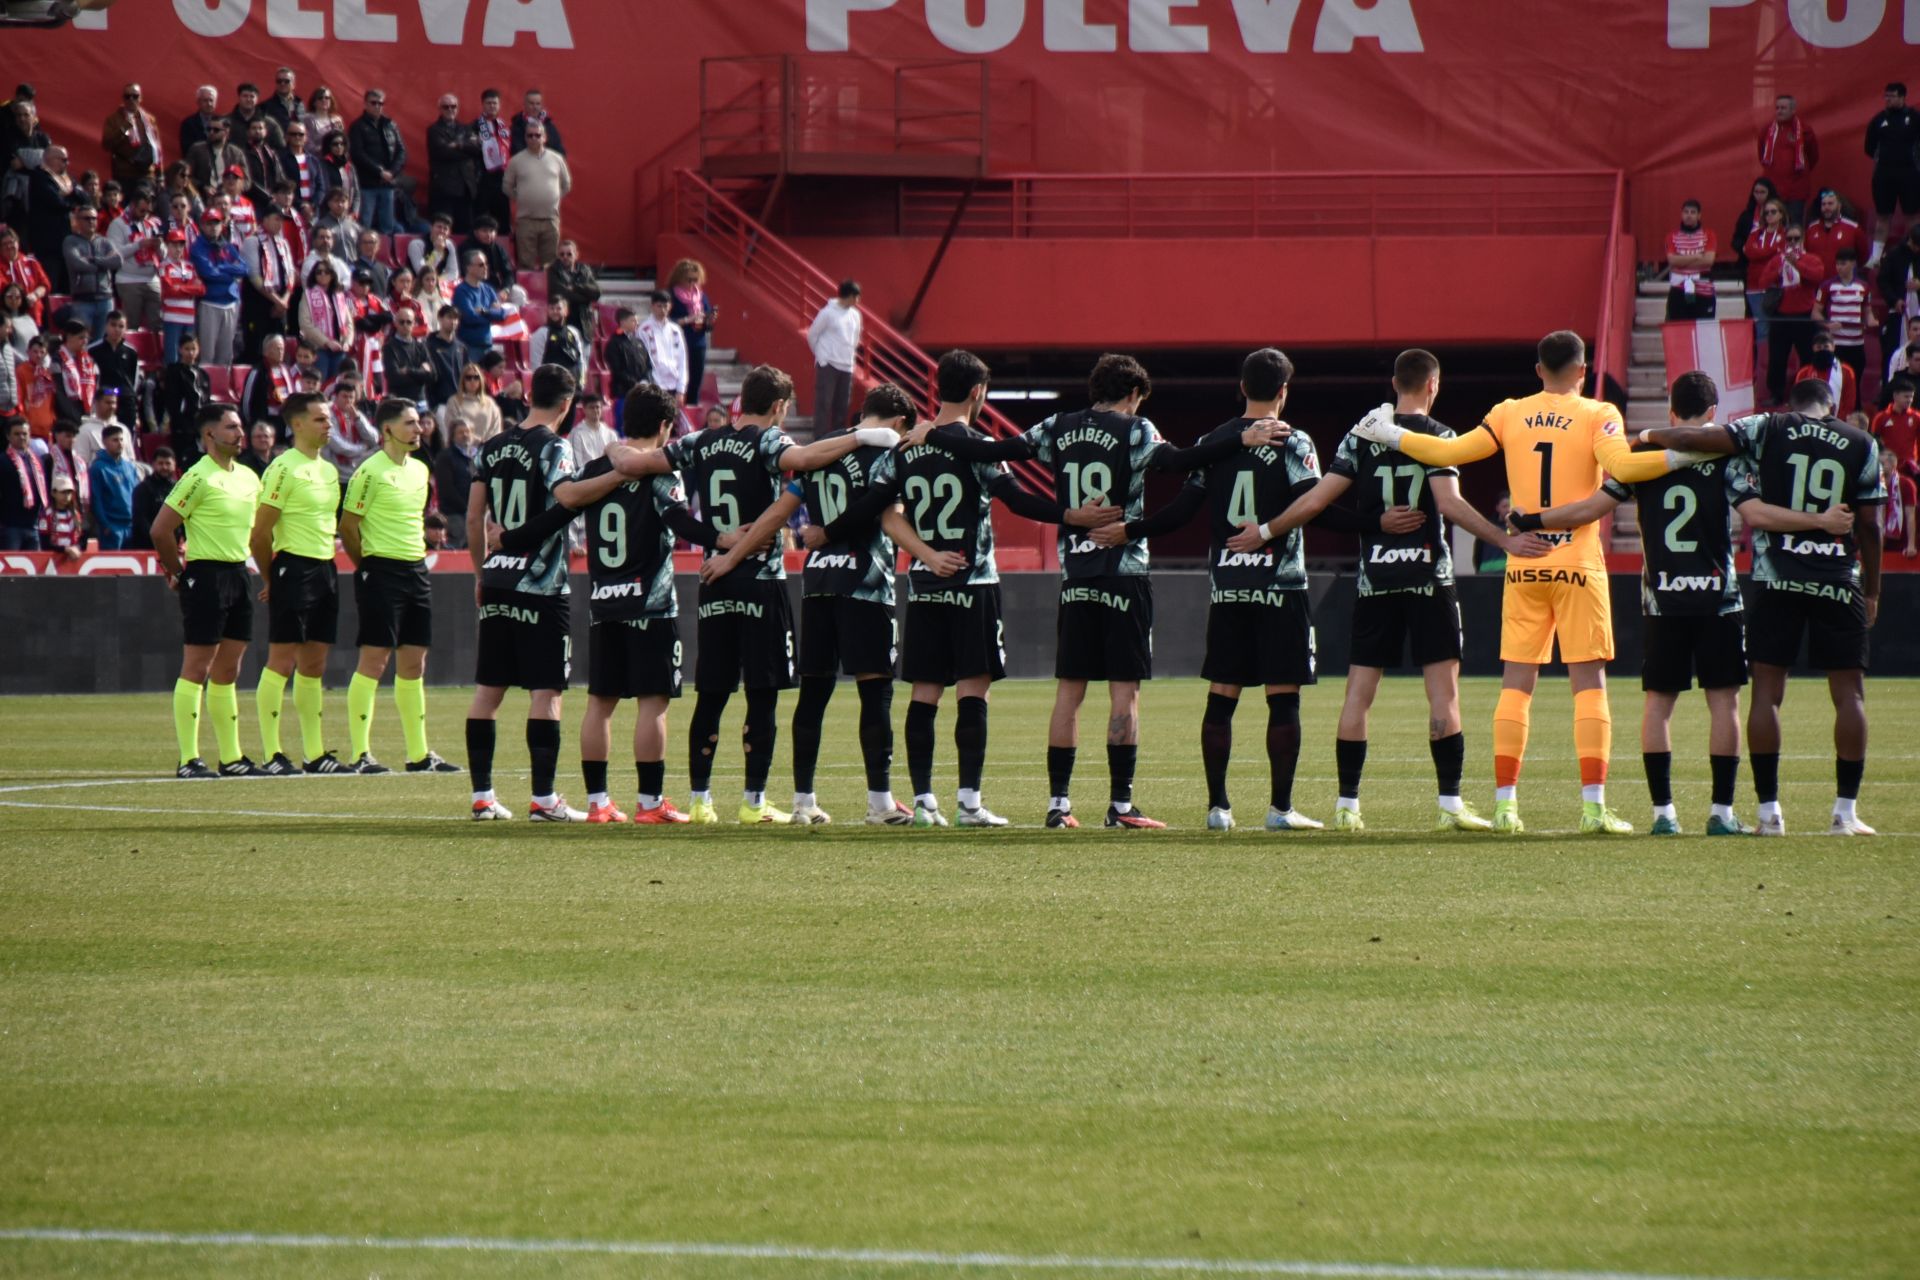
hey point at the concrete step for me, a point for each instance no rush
(1647, 381)
(1647, 348)
(1653, 311)
(1658, 286)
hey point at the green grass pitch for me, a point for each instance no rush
(333, 1006)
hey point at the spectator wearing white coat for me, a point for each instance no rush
(834, 337)
(666, 347)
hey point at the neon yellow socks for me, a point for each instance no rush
(268, 699)
(410, 696)
(186, 718)
(360, 694)
(223, 708)
(308, 697)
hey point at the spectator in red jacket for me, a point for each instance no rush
(1690, 254)
(1826, 366)
(1833, 231)
(1763, 245)
(1896, 513)
(1789, 153)
(1797, 274)
(1897, 426)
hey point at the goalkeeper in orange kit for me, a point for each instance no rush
(1557, 444)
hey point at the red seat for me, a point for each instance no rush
(398, 250)
(237, 380)
(219, 381)
(535, 283)
(148, 345)
(606, 311)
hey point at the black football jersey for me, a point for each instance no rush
(1686, 540)
(1807, 464)
(521, 469)
(630, 547)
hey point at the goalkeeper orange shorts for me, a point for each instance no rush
(1567, 602)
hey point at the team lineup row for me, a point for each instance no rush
(1803, 481)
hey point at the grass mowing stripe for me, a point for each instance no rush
(803, 1253)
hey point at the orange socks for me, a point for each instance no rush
(1510, 720)
(1592, 735)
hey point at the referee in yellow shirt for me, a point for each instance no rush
(383, 527)
(214, 501)
(293, 538)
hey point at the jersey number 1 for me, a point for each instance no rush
(1545, 450)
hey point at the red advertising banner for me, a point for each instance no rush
(125, 564)
(1675, 92)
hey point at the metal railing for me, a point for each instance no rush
(1268, 205)
(799, 289)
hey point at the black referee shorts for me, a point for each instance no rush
(395, 600)
(216, 602)
(304, 604)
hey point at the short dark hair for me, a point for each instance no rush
(489, 93)
(645, 410)
(246, 86)
(1265, 373)
(659, 295)
(116, 314)
(1846, 253)
(1412, 368)
(1690, 204)
(849, 288)
(553, 386)
(887, 401)
(433, 520)
(72, 327)
(1895, 86)
(112, 429)
(1692, 394)
(1822, 335)
(164, 452)
(212, 415)
(1561, 350)
(764, 387)
(1115, 377)
(623, 314)
(1811, 395)
(69, 425)
(958, 373)
(589, 398)
(390, 409)
(486, 222)
(299, 404)
(1901, 382)
(443, 219)
(447, 309)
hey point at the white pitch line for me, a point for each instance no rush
(235, 813)
(804, 1253)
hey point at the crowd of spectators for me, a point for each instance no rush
(275, 246)
(1819, 290)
